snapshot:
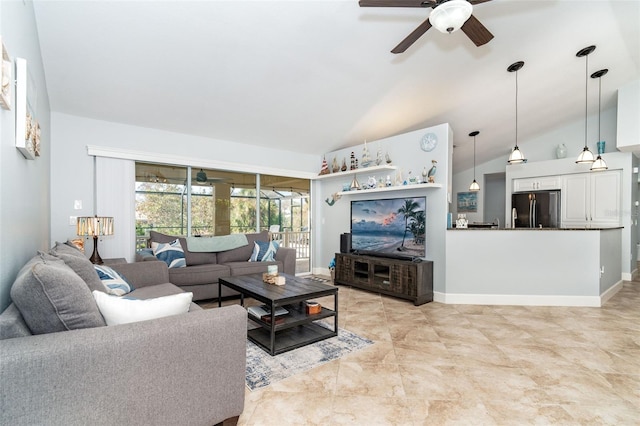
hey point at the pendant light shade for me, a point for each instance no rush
(516, 155)
(599, 164)
(474, 185)
(586, 156)
(451, 15)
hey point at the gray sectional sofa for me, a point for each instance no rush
(75, 370)
(203, 269)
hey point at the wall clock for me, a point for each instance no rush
(429, 142)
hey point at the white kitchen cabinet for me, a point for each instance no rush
(542, 183)
(591, 199)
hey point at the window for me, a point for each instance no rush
(216, 202)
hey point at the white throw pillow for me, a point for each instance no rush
(117, 310)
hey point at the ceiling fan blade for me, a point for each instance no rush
(477, 1)
(396, 3)
(411, 38)
(477, 32)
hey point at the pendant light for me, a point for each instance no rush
(516, 155)
(585, 156)
(474, 185)
(599, 164)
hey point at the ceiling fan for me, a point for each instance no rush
(447, 16)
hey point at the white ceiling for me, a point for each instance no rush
(316, 76)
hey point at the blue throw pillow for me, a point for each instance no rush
(115, 283)
(264, 251)
(170, 253)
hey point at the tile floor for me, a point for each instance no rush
(469, 365)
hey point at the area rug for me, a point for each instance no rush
(264, 369)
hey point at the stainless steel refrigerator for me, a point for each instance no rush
(538, 209)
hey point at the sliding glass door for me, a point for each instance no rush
(181, 200)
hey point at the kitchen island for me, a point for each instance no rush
(546, 267)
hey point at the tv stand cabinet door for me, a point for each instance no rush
(344, 268)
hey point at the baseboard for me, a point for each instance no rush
(321, 271)
(610, 292)
(516, 300)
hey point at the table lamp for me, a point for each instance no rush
(95, 226)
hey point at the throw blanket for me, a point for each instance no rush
(221, 243)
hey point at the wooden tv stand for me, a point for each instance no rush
(395, 277)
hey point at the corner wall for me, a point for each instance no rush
(331, 221)
(24, 184)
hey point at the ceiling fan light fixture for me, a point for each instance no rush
(201, 176)
(451, 15)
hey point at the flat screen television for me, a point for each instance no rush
(392, 227)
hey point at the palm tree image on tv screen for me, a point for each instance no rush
(389, 227)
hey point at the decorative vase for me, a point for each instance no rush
(561, 151)
(600, 147)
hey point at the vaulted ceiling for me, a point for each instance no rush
(316, 76)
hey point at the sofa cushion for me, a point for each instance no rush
(66, 248)
(264, 251)
(123, 310)
(242, 254)
(198, 274)
(170, 253)
(82, 266)
(51, 297)
(245, 268)
(12, 324)
(115, 282)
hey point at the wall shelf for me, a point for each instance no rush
(393, 188)
(362, 170)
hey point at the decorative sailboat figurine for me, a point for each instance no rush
(366, 158)
(335, 167)
(379, 156)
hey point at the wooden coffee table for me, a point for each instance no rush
(295, 329)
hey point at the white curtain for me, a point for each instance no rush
(115, 196)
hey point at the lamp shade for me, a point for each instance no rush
(94, 226)
(586, 156)
(516, 156)
(474, 186)
(599, 164)
(450, 16)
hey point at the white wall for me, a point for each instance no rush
(24, 184)
(72, 167)
(404, 150)
(542, 147)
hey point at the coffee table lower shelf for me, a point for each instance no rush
(290, 338)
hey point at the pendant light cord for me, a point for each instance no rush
(516, 108)
(586, 97)
(474, 158)
(599, 107)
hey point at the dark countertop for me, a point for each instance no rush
(532, 229)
